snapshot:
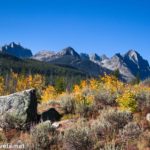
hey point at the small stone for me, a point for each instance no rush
(148, 117)
(55, 125)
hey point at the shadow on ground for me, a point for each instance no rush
(52, 114)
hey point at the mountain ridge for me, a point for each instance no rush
(129, 64)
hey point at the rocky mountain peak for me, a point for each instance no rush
(44, 55)
(13, 45)
(69, 51)
(95, 57)
(130, 64)
(16, 50)
(117, 55)
(104, 57)
(84, 56)
(132, 52)
(133, 55)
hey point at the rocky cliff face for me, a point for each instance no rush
(136, 64)
(16, 50)
(130, 65)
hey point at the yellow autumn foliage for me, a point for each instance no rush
(94, 84)
(16, 82)
(49, 93)
(127, 101)
(1, 86)
(112, 84)
(83, 92)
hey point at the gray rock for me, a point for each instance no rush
(56, 125)
(18, 110)
(148, 117)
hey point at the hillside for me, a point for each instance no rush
(10, 63)
(97, 114)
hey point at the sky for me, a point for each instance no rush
(89, 26)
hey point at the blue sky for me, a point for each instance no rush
(101, 26)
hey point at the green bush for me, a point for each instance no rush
(2, 137)
(112, 146)
(40, 136)
(84, 109)
(105, 97)
(67, 103)
(143, 99)
(11, 121)
(127, 101)
(130, 131)
(118, 119)
(78, 137)
(102, 129)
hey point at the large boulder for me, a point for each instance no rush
(18, 110)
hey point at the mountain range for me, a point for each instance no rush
(129, 64)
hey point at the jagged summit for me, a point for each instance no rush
(118, 55)
(12, 44)
(44, 55)
(95, 57)
(50, 55)
(133, 56)
(84, 56)
(44, 52)
(69, 51)
(16, 50)
(104, 57)
(132, 52)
